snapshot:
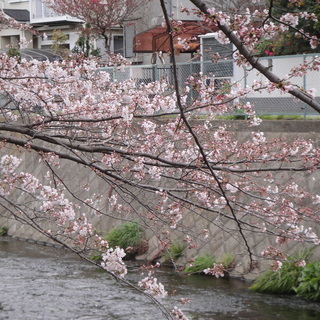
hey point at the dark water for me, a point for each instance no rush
(38, 282)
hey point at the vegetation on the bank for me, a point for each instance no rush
(281, 281)
(3, 231)
(309, 282)
(200, 263)
(292, 278)
(267, 117)
(174, 252)
(227, 260)
(128, 236)
(287, 117)
(207, 261)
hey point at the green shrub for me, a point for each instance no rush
(59, 45)
(206, 261)
(227, 260)
(200, 263)
(281, 117)
(284, 280)
(174, 252)
(239, 115)
(14, 53)
(309, 282)
(127, 235)
(3, 231)
(281, 281)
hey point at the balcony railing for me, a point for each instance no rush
(40, 13)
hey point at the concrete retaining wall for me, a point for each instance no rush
(219, 242)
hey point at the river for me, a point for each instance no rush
(40, 282)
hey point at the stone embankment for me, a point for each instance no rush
(220, 242)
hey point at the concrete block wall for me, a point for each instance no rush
(218, 243)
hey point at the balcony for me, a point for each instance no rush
(41, 14)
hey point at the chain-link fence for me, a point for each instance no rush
(279, 102)
(264, 101)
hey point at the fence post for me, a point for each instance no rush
(305, 88)
(155, 75)
(190, 73)
(191, 68)
(245, 81)
(245, 76)
(114, 73)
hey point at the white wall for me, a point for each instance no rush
(281, 66)
(15, 4)
(13, 36)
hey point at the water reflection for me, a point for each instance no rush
(40, 282)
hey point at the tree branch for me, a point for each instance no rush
(255, 63)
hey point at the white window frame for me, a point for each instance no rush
(12, 1)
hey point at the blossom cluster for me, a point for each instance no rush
(178, 314)
(157, 163)
(151, 286)
(273, 253)
(250, 33)
(218, 270)
(112, 261)
(9, 163)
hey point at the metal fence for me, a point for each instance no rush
(265, 103)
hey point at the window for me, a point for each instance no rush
(49, 37)
(49, 47)
(118, 45)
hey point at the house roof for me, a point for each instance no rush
(157, 38)
(20, 15)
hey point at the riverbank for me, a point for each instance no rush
(61, 286)
(223, 236)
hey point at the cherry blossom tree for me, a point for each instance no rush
(156, 160)
(292, 42)
(8, 22)
(103, 16)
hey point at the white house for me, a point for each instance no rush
(19, 10)
(146, 25)
(44, 21)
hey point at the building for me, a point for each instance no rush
(18, 10)
(142, 39)
(43, 21)
(151, 40)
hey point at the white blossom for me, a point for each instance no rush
(112, 262)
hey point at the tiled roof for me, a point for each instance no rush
(18, 14)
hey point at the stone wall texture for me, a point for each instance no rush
(219, 242)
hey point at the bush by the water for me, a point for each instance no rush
(174, 252)
(200, 263)
(292, 278)
(128, 236)
(3, 231)
(206, 261)
(281, 281)
(309, 282)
